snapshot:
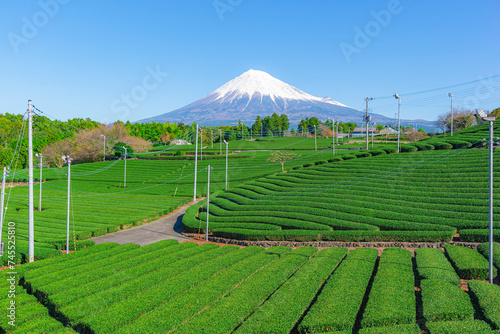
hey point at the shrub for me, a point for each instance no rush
(398, 329)
(423, 146)
(308, 165)
(433, 264)
(444, 301)
(338, 304)
(79, 244)
(392, 297)
(459, 327)
(468, 263)
(283, 309)
(479, 235)
(408, 148)
(390, 150)
(487, 297)
(484, 249)
(457, 143)
(441, 145)
(348, 157)
(335, 159)
(321, 162)
(377, 152)
(363, 154)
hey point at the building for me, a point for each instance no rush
(179, 142)
(361, 132)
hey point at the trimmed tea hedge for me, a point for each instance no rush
(347, 236)
(468, 263)
(459, 327)
(487, 297)
(227, 314)
(398, 329)
(283, 310)
(484, 249)
(479, 235)
(443, 301)
(392, 298)
(338, 304)
(433, 264)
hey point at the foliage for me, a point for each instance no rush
(282, 157)
(462, 119)
(468, 263)
(338, 304)
(432, 264)
(459, 327)
(443, 301)
(487, 297)
(283, 310)
(392, 296)
(414, 135)
(479, 235)
(484, 249)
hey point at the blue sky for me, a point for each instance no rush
(79, 58)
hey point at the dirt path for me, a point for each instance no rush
(168, 227)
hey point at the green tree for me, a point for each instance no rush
(282, 157)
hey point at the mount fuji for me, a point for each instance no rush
(258, 93)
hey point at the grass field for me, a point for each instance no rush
(169, 287)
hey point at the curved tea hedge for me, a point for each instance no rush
(428, 195)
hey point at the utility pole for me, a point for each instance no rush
(195, 163)
(315, 146)
(68, 160)
(367, 119)
(104, 148)
(212, 137)
(2, 245)
(227, 144)
(220, 142)
(125, 171)
(208, 201)
(399, 116)
(333, 137)
(337, 128)
(39, 156)
(31, 224)
(451, 95)
(372, 132)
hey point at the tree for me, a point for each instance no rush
(119, 151)
(462, 119)
(441, 122)
(282, 157)
(256, 127)
(495, 113)
(285, 123)
(414, 135)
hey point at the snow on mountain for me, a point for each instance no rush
(256, 93)
(258, 84)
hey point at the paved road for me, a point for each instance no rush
(168, 227)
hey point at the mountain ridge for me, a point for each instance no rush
(257, 93)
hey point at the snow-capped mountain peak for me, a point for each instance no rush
(257, 84)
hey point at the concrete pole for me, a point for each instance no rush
(41, 167)
(315, 145)
(68, 202)
(491, 205)
(2, 201)
(31, 224)
(208, 201)
(125, 170)
(195, 163)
